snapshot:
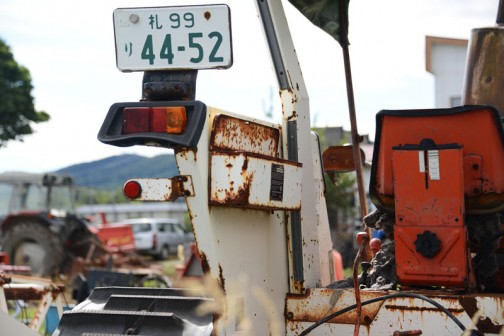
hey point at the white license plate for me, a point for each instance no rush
(162, 38)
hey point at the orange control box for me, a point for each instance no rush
(430, 236)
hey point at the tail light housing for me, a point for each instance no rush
(171, 124)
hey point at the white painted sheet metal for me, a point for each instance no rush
(252, 181)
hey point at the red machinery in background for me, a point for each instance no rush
(440, 172)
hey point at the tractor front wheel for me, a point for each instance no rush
(34, 245)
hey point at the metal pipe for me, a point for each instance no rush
(355, 134)
(360, 255)
(40, 314)
(353, 119)
(484, 73)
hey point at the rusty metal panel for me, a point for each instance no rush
(320, 302)
(398, 315)
(220, 237)
(25, 292)
(416, 314)
(254, 181)
(340, 159)
(233, 134)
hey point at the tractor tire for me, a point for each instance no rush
(34, 245)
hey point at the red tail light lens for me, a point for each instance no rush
(169, 119)
(132, 189)
(136, 120)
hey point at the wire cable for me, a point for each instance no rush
(383, 298)
(361, 255)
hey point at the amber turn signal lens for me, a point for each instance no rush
(173, 119)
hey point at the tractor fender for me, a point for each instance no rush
(32, 216)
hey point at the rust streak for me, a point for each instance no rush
(222, 280)
(204, 263)
(421, 309)
(176, 191)
(484, 325)
(320, 303)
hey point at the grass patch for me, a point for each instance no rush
(25, 316)
(169, 267)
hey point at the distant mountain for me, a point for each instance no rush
(112, 172)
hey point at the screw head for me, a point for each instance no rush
(134, 18)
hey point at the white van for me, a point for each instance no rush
(158, 237)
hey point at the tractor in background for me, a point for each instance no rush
(40, 228)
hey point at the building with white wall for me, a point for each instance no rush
(445, 58)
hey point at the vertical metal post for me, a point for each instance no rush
(292, 154)
(484, 72)
(353, 119)
(295, 216)
(3, 301)
(364, 248)
(310, 240)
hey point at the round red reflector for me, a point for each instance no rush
(375, 245)
(132, 189)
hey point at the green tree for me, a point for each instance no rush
(17, 110)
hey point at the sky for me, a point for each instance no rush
(68, 47)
